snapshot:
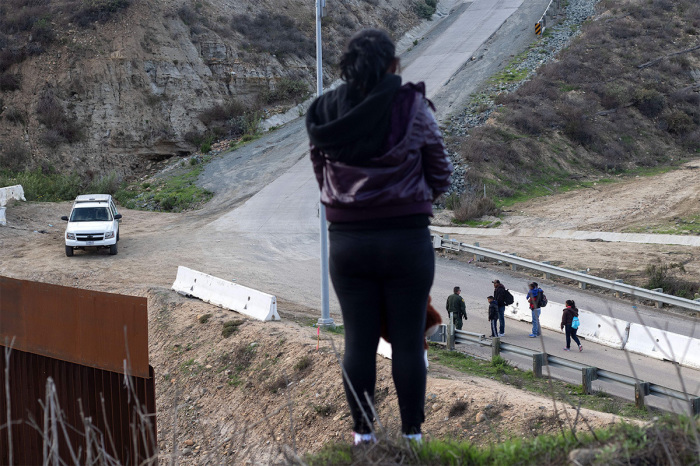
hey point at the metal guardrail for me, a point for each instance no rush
(588, 373)
(611, 285)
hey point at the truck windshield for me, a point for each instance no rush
(90, 214)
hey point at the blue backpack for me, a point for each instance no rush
(575, 323)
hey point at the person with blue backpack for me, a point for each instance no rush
(570, 323)
(537, 301)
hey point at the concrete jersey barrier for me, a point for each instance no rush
(604, 330)
(520, 309)
(663, 345)
(594, 327)
(223, 293)
(7, 193)
(11, 192)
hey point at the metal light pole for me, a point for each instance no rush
(325, 319)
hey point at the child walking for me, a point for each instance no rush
(493, 316)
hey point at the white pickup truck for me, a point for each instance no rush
(93, 222)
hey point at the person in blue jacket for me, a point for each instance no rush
(534, 297)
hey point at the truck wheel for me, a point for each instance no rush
(113, 249)
(69, 251)
(117, 235)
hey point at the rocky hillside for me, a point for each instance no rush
(114, 85)
(619, 94)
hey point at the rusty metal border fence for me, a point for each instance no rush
(588, 373)
(87, 398)
(63, 361)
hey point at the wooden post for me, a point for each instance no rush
(588, 375)
(538, 360)
(495, 347)
(641, 389)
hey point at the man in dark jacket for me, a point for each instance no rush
(499, 294)
(456, 308)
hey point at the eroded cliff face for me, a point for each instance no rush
(135, 86)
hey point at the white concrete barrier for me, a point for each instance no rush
(11, 192)
(7, 193)
(223, 293)
(660, 344)
(604, 330)
(550, 316)
(520, 309)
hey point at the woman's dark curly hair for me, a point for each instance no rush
(571, 303)
(366, 59)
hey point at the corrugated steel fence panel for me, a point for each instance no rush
(124, 424)
(71, 337)
(86, 327)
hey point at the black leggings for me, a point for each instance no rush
(388, 272)
(571, 333)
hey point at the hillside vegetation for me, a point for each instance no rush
(625, 94)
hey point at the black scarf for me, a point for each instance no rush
(348, 130)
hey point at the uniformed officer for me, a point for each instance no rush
(456, 308)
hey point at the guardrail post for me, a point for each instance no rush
(538, 360)
(451, 335)
(547, 275)
(617, 293)
(478, 258)
(659, 304)
(495, 347)
(695, 406)
(588, 375)
(641, 389)
(513, 266)
(582, 285)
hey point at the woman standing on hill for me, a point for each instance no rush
(567, 324)
(379, 160)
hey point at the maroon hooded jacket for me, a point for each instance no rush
(386, 166)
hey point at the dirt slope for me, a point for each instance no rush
(266, 390)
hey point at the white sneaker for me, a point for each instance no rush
(501, 334)
(363, 439)
(418, 438)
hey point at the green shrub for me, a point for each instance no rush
(274, 33)
(230, 327)
(107, 184)
(10, 82)
(425, 9)
(61, 127)
(303, 364)
(38, 186)
(285, 90)
(649, 102)
(14, 155)
(98, 10)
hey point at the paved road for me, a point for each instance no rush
(270, 236)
